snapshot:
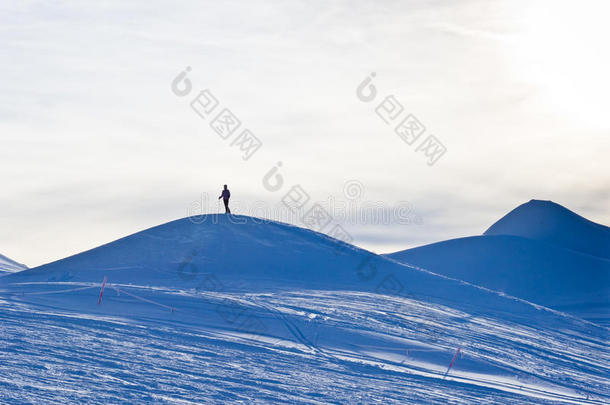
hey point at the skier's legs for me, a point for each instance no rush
(227, 210)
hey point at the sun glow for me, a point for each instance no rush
(562, 48)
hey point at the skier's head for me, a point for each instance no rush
(225, 186)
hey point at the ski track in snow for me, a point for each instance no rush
(57, 345)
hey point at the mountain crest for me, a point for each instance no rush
(552, 223)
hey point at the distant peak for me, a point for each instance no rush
(9, 265)
(553, 223)
(544, 203)
(534, 201)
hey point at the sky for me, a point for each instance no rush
(100, 140)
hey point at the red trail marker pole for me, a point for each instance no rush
(99, 301)
(452, 361)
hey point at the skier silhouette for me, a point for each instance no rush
(225, 195)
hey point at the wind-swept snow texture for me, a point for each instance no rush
(9, 266)
(230, 309)
(540, 251)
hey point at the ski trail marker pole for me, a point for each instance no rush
(99, 301)
(452, 361)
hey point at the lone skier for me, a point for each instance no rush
(225, 195)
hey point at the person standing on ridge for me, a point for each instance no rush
(225, 195)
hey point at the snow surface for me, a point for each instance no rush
(237, 310)
(541, 252)
(9, 266)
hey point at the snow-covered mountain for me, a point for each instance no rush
(235, 309)
(540, 251)
(9, 266)
(549, 222)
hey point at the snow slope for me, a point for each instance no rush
(10, 266)
(545, 274)
(540, 252)
(238, 310)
